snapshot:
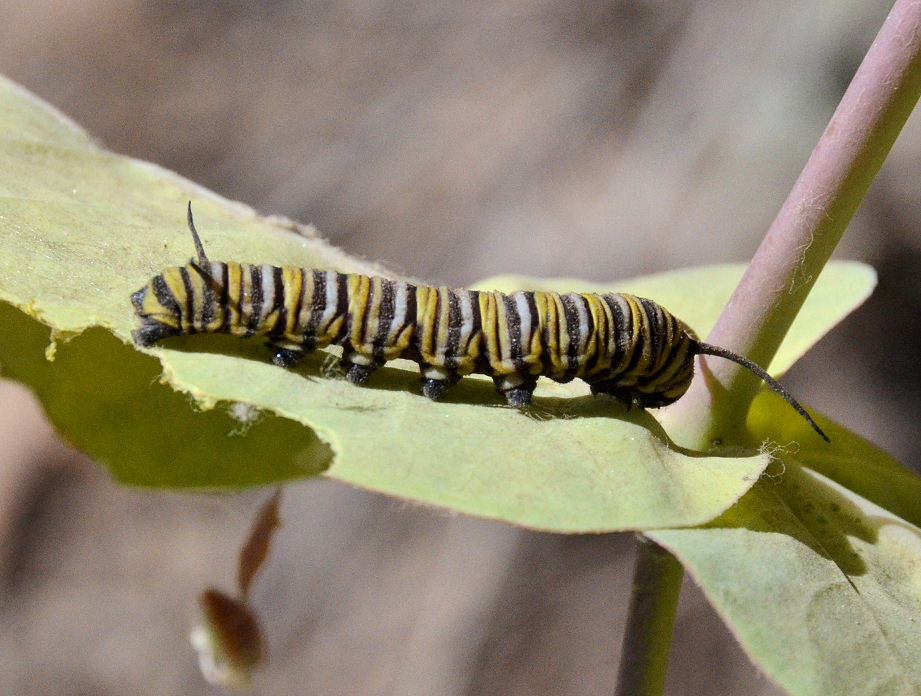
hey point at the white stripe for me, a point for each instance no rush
(399, 310)
(268, 290)
(466, 310)
(524, 314)
(332, 296)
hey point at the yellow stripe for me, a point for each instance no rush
(640, 328)
(597, 345)
(502, 364)
(198, 298)
(358, 285)
(303, 318)
(426, 304)
(549, 315)
(173, 279)
(634, 333)
(151, 306)
(488, 325)
(679, 359)
(234, 289)
(444, 318)
(399, 343)
(292, 279)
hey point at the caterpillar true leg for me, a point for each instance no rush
(286, 357)
(357, 371)
(520, 396)
(434, 388)
(436, 380)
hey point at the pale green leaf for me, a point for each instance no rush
(848, 460)
(821, 587)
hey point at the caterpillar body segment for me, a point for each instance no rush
(629, 347)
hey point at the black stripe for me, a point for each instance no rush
(642, 336)
(477, 333)
(571, 317)
(622, 328)
(225, 297)
(165, 297)
(342, 305)
(666, 344)
(319, 300)
(669, 364)
(535, 324)
(412, 310)
(278, 305)
(576, 339)
(255, 300)
(671, 342)
(384, 318)
(207, 301)
(455, 320)
(656, 328)
(477, 315)
(317, 306)
(513, 326)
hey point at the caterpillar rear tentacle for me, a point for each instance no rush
(628, 347)
(773, 384)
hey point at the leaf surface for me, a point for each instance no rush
(820, 586)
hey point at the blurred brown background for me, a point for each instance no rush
(451, 141)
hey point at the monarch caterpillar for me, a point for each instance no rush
(629, 347)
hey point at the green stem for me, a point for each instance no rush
(810, 224)
(653, 600)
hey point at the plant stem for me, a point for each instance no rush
(810, 224)
(653, 599)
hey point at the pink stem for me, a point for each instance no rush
(847, 157)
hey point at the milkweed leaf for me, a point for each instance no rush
(819, 585)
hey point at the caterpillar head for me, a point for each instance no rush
(158, 309)
(163, 304)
